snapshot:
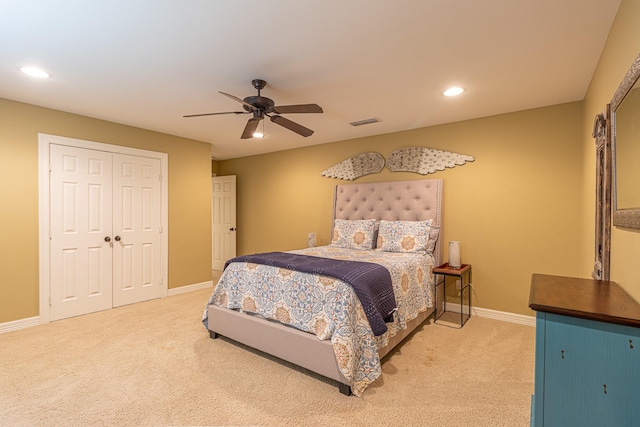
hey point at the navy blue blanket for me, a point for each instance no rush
(371, 282)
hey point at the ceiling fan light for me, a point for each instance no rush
(453, 91)
(258, 133)
(35, 72)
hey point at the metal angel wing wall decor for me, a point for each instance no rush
(424, 160)
(356, 166)
(420, 160)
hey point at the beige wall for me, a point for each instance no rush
(622, 47)
(515, 209)
(189, 198)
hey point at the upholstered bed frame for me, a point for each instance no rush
(400, 200)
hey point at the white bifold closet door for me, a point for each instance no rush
(105, 230)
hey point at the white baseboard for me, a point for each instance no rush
(494, 314)
(19, 324)
(35, 321)
(190, 288)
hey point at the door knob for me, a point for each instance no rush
(107, 239)
(117, 238)
(232, 229)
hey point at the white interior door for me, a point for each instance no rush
(136, 228)
(80, 221)
(223, 221)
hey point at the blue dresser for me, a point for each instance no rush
(587, 369)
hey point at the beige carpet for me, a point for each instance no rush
(154, 364)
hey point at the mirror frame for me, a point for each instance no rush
(628, 217)
(601, 133)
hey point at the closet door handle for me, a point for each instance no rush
(232, 229)
(107, 239)
(117, 238)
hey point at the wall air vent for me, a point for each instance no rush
(365, 121)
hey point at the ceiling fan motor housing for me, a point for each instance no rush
(259, 102)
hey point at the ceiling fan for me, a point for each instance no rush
(261, 106)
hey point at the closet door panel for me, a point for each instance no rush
(137, 225)
(80, 223)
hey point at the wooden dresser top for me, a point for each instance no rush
(600, 300)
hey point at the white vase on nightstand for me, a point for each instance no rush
(454, 254)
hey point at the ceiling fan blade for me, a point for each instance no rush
(302, 108)
(292, 126)
(216, 114)
(250, 128)
(235, 98)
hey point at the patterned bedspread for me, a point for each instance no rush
(370, 281)
(329, 308)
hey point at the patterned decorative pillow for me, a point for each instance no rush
(403, 236)
(353, 234)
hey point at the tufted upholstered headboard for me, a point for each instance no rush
(398, 200)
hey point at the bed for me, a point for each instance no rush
(318, 322)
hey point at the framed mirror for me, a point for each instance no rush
(625, 119)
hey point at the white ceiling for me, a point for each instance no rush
(146, 63)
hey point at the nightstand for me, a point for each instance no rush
(451, 318)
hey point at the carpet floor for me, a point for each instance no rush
(153, 364)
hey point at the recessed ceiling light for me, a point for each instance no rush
(35, 72)
(453, 91)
